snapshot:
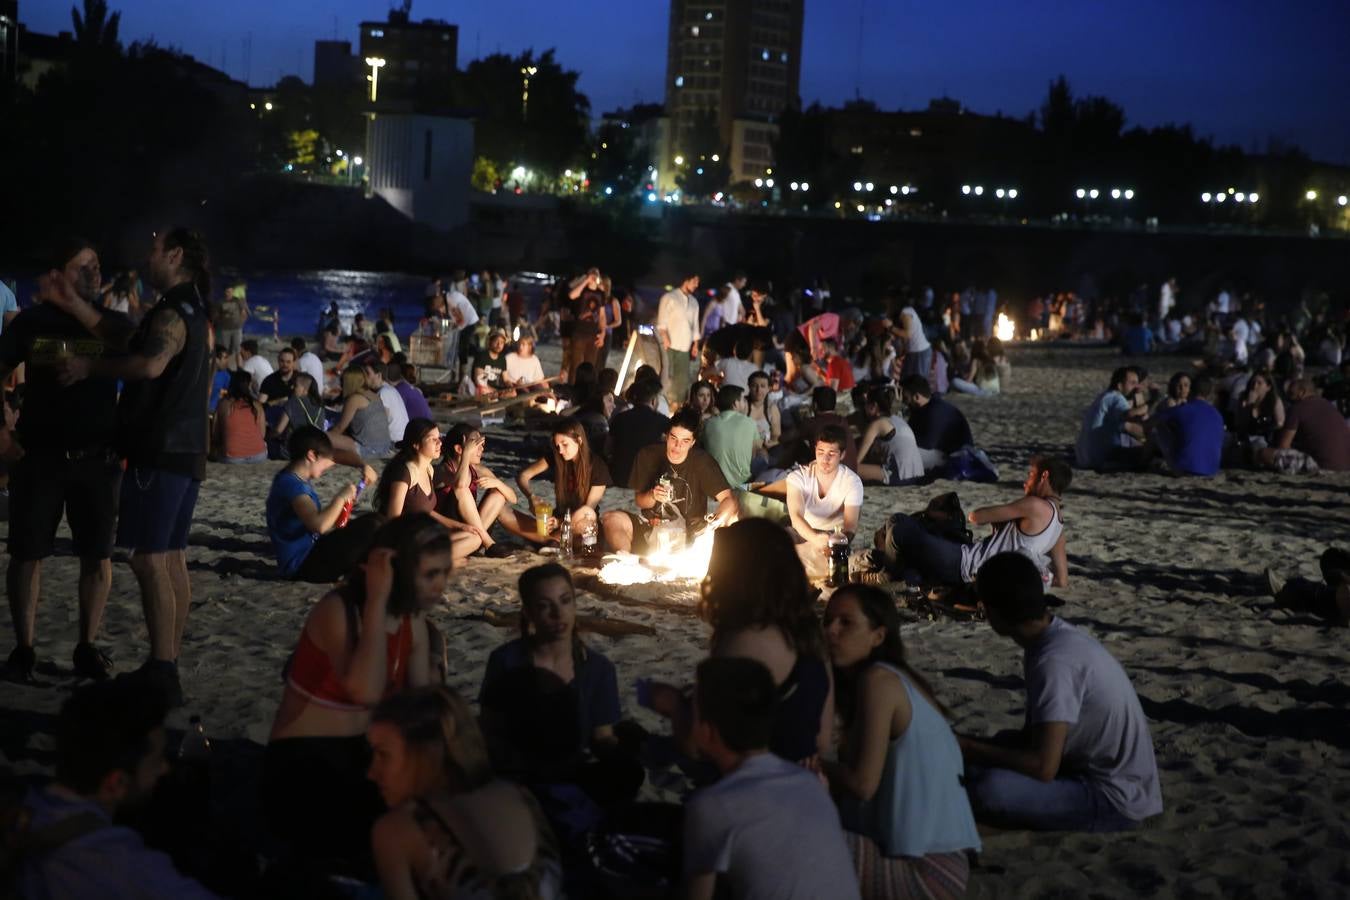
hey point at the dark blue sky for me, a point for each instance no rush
(1238, 70)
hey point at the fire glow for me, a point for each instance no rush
(1005, 329)
(671, 560)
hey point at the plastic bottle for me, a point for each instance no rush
(196, 746)
(589, 538)
(565, 535)
(838, 576)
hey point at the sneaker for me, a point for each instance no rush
(1274, 583)
(19, 666)
(499, 551)
(91, 662)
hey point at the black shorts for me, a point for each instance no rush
(44, 486)
(156, 510)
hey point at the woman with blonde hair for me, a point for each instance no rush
(363, 426)
(452, 830)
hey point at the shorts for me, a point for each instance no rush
(1293, 462)
(156, 510)
(891, 468)
(642, 533)
(44, 485)
(230, 339)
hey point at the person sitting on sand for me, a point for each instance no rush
(763, 412)
(898, 779)
(256, 365)
(1190, 436)
(1110, 436)
(579, 477)
(1315, 435)
(276, 387)
(220, 377)
(940, 429)
(822, 496)
(824, 403)
(363, 426)
(309, 544)
(363, 642)
(635, 428)
(109, 757)
(452, 829)
(1178, 392)
(1031, 526)
(240, 423)
(414, 401)
(902, 464)
(489, 367)
(460, 478)
(523, 368)
(1084, 759)
(1261, 413)
(763, 611)
(394, 410)
(1328, 600)
(303, 407)
(766, 828)
(731, 438)
(672, 480)
(702, 400)
(550, 703)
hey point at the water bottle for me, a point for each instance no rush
(838, 576)
(565, 535)
(196, 746)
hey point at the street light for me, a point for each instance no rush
(1311, 195)
(1115, 193)
(527, 72)
(965, 189)
(768, 182)
(870, 186)
(806, 185)
(1343, 199)
(376, 63)
(1000, 193)
(759, 182)
(979, 190)
(1080, 193)
(1129, 193)
(1094, 193)
(679, 160)
(1204, 198)
(1220, 197)
(1012, 193)
(1253, 197)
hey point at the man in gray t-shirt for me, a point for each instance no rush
(1084, 760)
(768, 828)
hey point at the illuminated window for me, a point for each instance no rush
(764, 55)
(377, 32)
(679, 81)
(694, 31)
(783, 58)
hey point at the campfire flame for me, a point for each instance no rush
(664, 564)
(1005, 329)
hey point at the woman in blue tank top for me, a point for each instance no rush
(898, 778)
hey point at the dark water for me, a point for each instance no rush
(299, 298)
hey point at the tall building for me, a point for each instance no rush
(334, 65)
(733, 66)
(420, 58)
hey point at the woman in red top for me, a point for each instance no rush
(240, 423)
(364, 641)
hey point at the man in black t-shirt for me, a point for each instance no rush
(940, 429)
(68, 466)
(672, 480)
(635, 428)
(489, 366)
(275, 389)
(161, 430)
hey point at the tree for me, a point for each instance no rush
(701, 175)
(96, 29)
(617, 163)
(485, 176)
(548, 137)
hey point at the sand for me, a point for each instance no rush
(1247, 702)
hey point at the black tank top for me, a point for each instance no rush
(162, 422)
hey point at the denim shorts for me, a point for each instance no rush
(156, 510)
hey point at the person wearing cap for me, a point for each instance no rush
(489, 366)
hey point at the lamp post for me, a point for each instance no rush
(527, 72)
(376, 63)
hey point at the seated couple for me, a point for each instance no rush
(1031, 526)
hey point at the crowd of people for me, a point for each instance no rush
(824, 765)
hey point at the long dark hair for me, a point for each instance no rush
(417, 429)
(572, 480)
(529, 582)
(241, 387)
(411, 537)
(756, 580)
(196, 258)
(879, 608)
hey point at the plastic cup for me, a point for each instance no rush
(541, 513)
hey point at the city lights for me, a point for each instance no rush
(716, 158)
(609, 191)
(376, 63)
(793, 186)
(1253, 197)
(1311, 195)
(1080, 193)
(857, 185)
(1093, 193)
(1129, 193)
(895, 189)
(356, 160)
(768, 182)
(1206, 197)
(1219, 198)
(1012, 193)
(759, 182)
(1115, 193)
(268, 105)
(979, 190)
(679, 160)
(870, 186)
(965, 189)
(1343, 199)
(1000, 193)
(806, 185)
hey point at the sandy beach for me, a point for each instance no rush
(1249, 708)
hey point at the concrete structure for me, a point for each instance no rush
(420, 58)
(335, 66)
(421, 165)
(734, 65)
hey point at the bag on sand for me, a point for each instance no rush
(944, 518)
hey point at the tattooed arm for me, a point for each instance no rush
(164, 341)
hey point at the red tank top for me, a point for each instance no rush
(311, 671)
(242, 438)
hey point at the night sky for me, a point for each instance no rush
(1240, 71)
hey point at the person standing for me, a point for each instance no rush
(677, 324)
(229, 317)
(68, 465)
(161, 431)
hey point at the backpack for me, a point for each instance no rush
(944, 518)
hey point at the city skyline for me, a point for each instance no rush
(1241, 72)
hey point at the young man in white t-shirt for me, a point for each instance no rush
(256, 366)
(732, 311)
(822, 496)
(767, 829)
(1084, 759)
